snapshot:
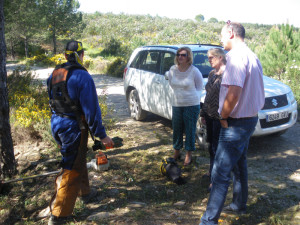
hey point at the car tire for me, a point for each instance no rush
(201, 135)
(134, 104)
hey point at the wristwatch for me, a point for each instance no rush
(221, 118)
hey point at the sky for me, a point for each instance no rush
(250, 11)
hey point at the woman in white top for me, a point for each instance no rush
(186, 81)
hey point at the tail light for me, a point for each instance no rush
(125, 71)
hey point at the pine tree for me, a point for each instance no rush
(60, 17)
(281, 47)
(7, 158)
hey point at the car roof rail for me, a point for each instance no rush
(205, 45)
(176, 46)
(161, 46)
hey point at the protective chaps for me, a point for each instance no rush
(71, 183)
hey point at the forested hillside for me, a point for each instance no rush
(109, 39)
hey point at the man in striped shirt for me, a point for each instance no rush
(241, 97)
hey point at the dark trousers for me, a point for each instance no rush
(213, 127)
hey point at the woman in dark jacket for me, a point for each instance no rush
(209, 112)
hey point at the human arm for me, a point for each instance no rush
(92, 111)
(232, 97)
(81, 88)
(198, 79)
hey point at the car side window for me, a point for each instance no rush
(201, 62)
(150, 62)
(167, 60)
(136, 63)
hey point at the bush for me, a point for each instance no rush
(291, 78)
(28, 100)
(44, 60)
(87, 62)
(99, 65)
(29, 104)
(39, 60)
(116, 68)
(58, 59)
(112, 47)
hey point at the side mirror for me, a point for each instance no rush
(167, 75)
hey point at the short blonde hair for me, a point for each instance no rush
(217, 52)
(189, 55)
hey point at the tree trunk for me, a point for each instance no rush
(54, 42)
(7, 158)
(26, 47)
(12, 50)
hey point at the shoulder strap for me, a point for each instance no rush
(63, 103)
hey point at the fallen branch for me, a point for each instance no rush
(31, 177)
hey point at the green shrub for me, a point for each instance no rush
(44, 60)
(291, 78)
(39, 60)
(99, 65)
(58, 59)
(112, 47)
(29, 103)
(87, 62)
(116, 68)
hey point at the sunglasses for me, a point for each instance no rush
(228, 23)
(183, 55)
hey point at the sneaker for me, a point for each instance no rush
(87, 198)
(229, 209)
(54, 220)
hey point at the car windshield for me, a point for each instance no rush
(201, 62)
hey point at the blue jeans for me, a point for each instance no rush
(184, 119)
(231, 156)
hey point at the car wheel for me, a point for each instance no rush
(201, 135)
(134, 105)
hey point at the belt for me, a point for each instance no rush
(242, 118)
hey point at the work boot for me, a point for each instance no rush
(54, 220)
(90, 196)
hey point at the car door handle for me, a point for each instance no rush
(157, 81)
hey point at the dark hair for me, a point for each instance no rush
(237, 28)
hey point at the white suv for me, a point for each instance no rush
(147, 90)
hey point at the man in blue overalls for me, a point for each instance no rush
(75, 110)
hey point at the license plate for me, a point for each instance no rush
(277, 116)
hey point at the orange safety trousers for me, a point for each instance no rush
(71, 183)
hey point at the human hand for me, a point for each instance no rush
(107, 142)
(224, 123)
(203, 120)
